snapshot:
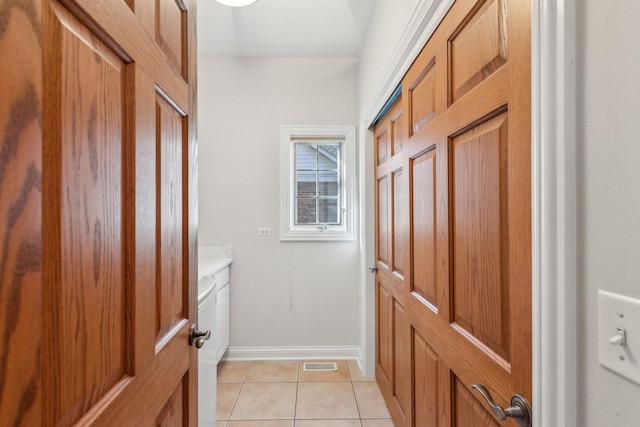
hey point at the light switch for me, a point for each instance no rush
(619, 334)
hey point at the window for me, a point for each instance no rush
(318, 183)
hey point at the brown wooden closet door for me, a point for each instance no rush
(393, 362)
(466, 289)
(112, 269)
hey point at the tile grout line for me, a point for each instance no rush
(295, 405)
(235, 402)
(355, 397)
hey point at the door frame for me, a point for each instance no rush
(553, 193)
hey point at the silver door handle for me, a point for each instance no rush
(520, 409)
(373, 269)
(197, 337)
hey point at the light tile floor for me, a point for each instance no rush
(282, 394)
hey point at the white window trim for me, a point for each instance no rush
(289, 231)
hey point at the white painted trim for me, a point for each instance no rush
(423, 22)
(554, 213)
(344, 232)
(292, 353)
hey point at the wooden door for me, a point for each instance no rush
(98, 213)
(393, 358)
(466, 288)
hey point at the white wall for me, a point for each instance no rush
(388, 21)
(608, 146)
(282, 294)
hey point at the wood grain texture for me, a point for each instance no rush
(480, 227)
(422, 97)
(423, 227)
(479, 47)
(169, 200)
(426, 390)
(20, 213)
(103, 146)
(87, 297)
(170, 34)
(393, 369)
(398, 129)
(401, 363)
(382, 145)
(190, 211)
(383, 234)
(466, 291)
(140, 205)
(172, 413)
(470, 412)
(400, 223)
(384, 343)
(129, 32)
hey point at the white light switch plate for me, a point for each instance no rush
(614, 312)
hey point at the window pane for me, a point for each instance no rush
(306, 184)
(306, 155)
(328, 157)
(306, 211)
(328, 211)
(328, 183)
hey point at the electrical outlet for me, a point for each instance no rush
(264, 231)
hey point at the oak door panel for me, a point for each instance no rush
(170, 287)
(88, 288)
(383, 232)
(478, 47)
(393, 367)
(170, 34)
(97, 228)
(402, 362)
(384, 334)
(465, 292)
(480, 223)
(422, 97)
(400, 226)
(398, 131)
(424, 227)
(20, 215)
(382, 145)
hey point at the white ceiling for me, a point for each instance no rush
(284, 28)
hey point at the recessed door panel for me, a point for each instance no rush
(480, 252)
(422, 98)
(397, 130)
(400, 221)
(170, 20)
(402, 359)
(425, 383)
(424, 226)
(90, 292)
(383, 220)
(384, 344)
(170, 283)
(382, 145)
(479, 47)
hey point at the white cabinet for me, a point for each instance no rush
(222, 312)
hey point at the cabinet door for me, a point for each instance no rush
(222, 322)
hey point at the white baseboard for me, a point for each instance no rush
(289, 353)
